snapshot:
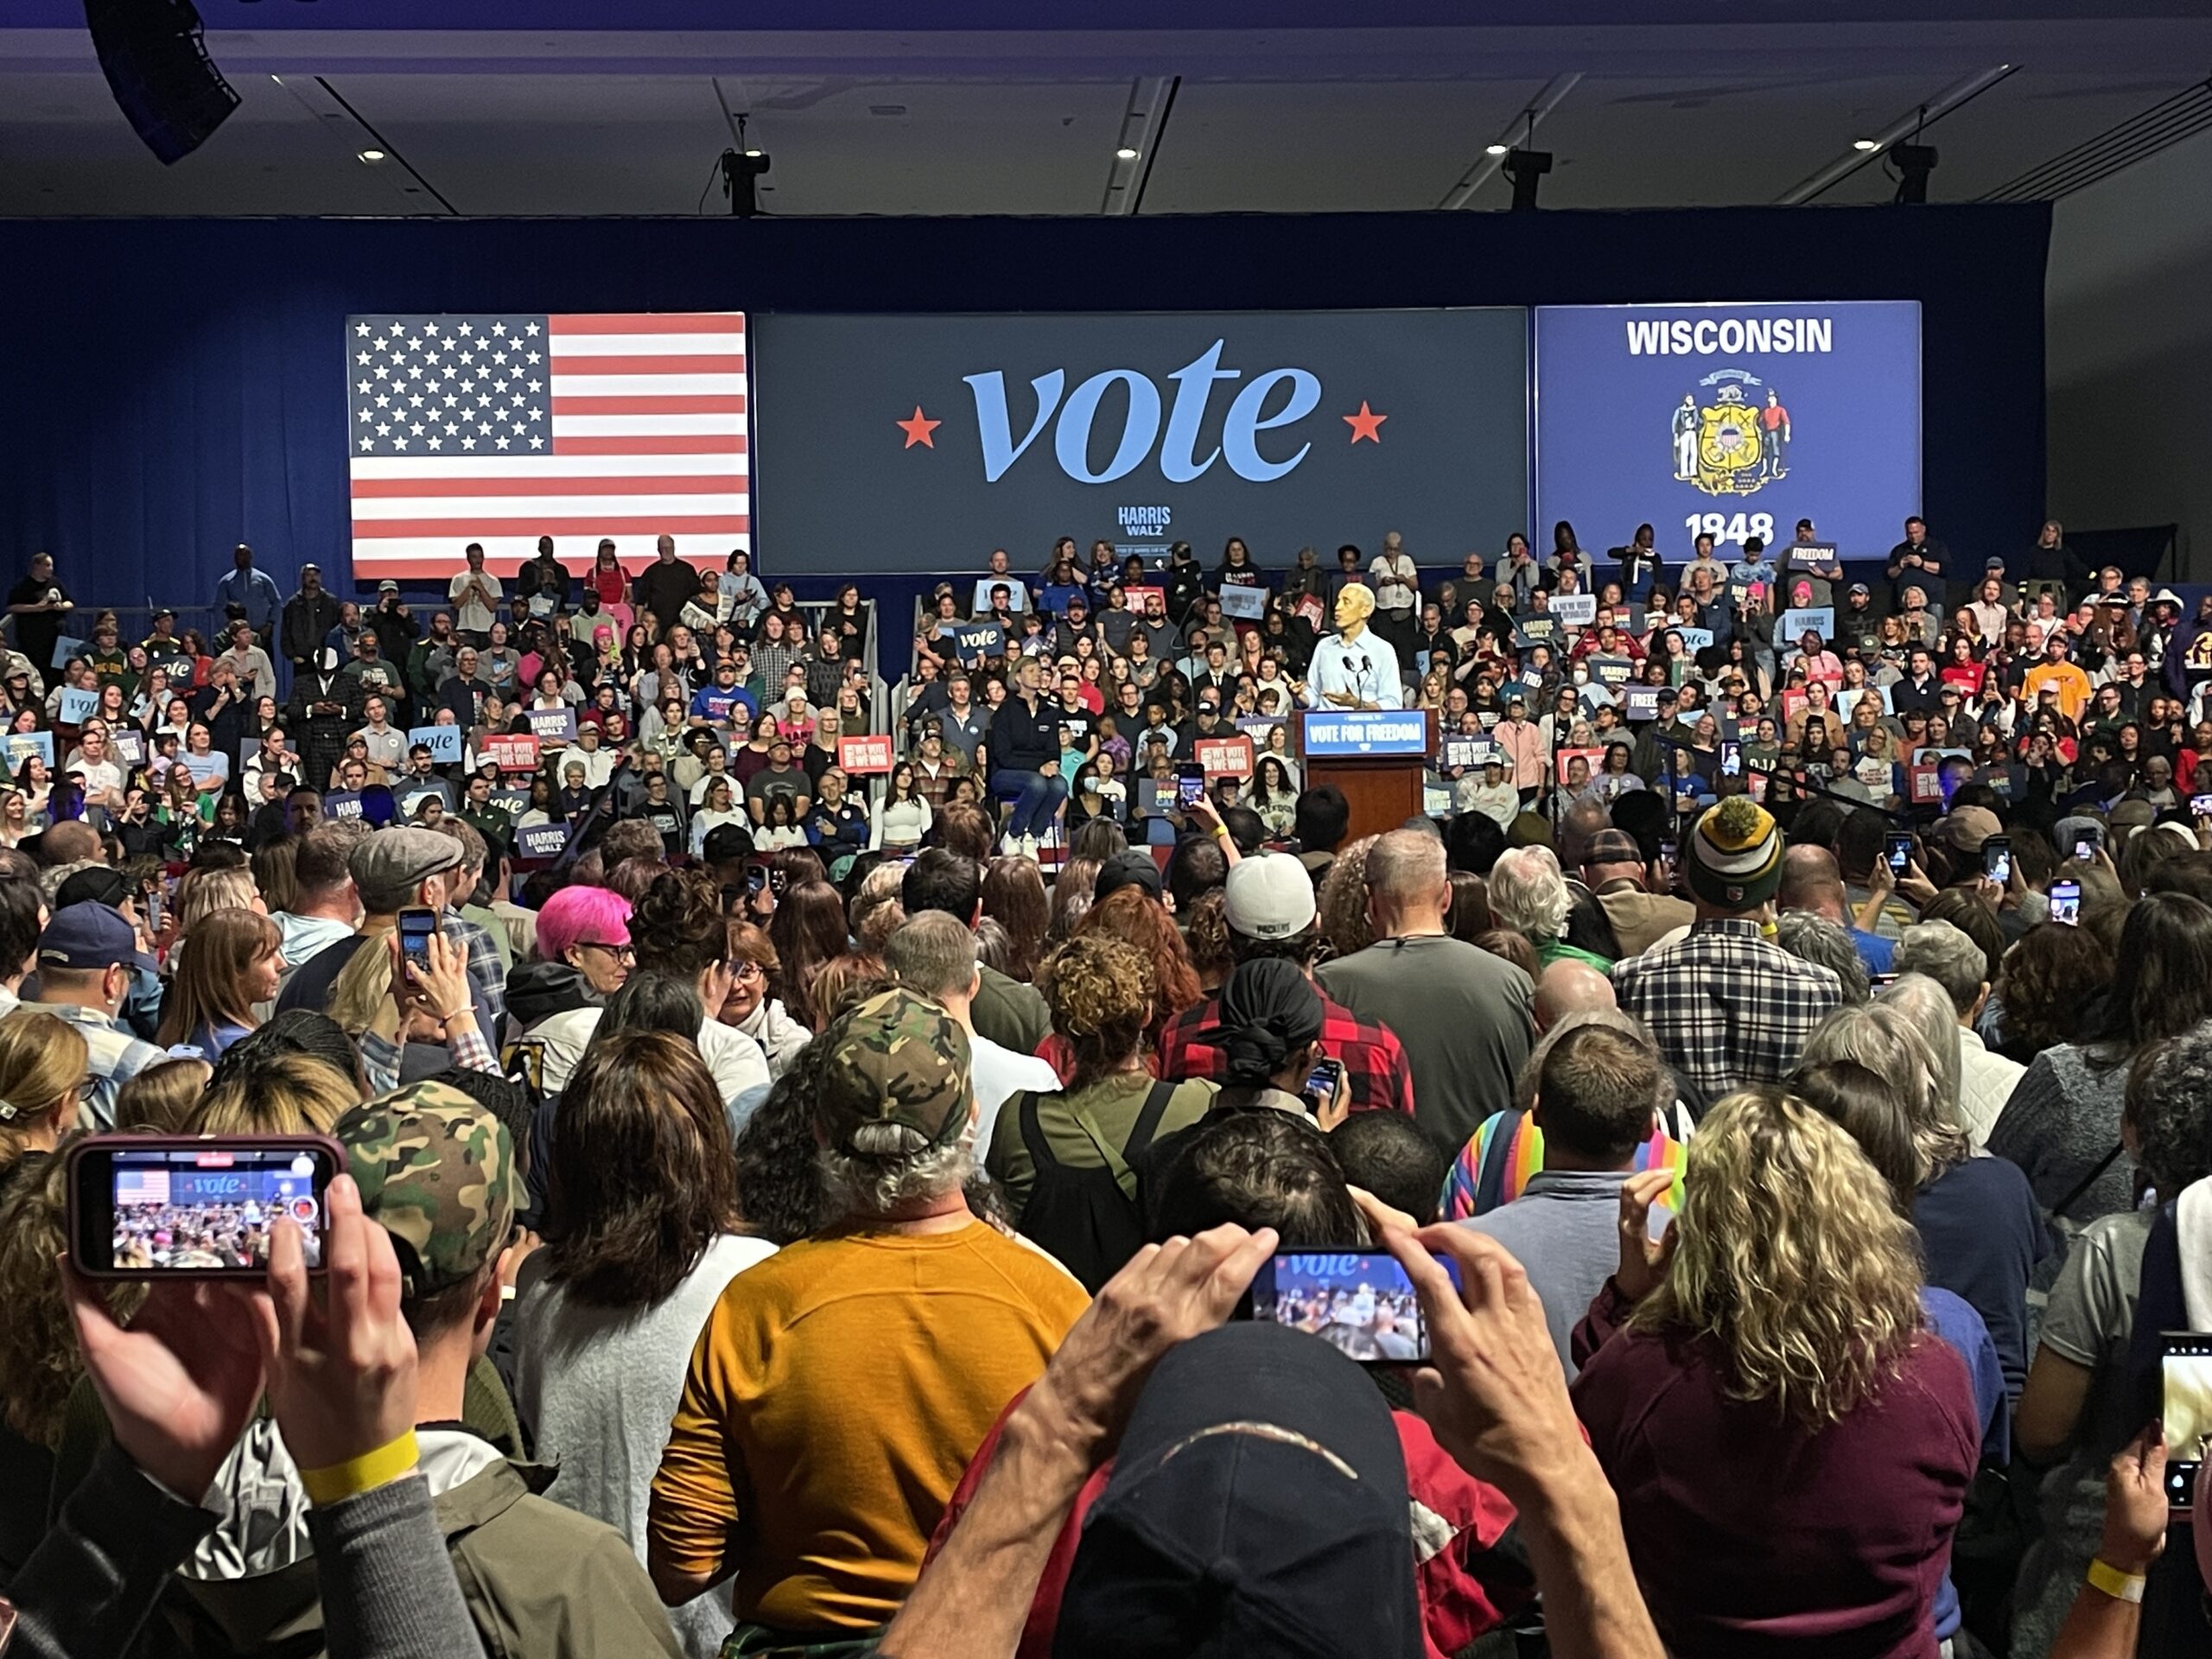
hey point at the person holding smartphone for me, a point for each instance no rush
(1270, 1041)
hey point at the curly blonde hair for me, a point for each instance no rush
(1791, 1258)
(1101, 991)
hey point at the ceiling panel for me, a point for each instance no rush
(551, 143)
(1267, 122)
(650, 144)
(1333, 147)
(2030, 116)
(65, 149)
(1025, 148)
(1708, 141)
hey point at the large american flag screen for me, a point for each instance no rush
(504, 427)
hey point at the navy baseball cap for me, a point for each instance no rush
(87, 938)
(1258, 1505)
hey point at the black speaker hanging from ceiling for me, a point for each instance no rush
(158, 69)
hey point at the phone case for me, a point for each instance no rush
(97, 1146)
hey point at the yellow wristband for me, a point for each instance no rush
(1221, 832)
(2120, 1586)
(362, 1474)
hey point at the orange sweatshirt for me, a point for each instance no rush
(834, 1399)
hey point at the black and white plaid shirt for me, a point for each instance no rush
(1728, 1007)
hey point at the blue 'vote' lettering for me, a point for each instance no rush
(1179, 462)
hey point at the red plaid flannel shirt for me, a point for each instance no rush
(1471, 1576)
(1376, 1075)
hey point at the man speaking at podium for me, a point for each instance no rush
(1354, 667)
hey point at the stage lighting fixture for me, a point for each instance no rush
(1526, 168)
(1865, 145)
(1915, 163)
(742, 167)
(740, 177)
(1496, 149)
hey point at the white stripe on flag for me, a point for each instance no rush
(374, 554)
(544, 506)
(566, 383)
(506, 464)
(644, 344)
(643, 426)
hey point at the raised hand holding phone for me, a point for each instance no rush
(433, 984)
(1494, 1391)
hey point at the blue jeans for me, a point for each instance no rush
(1037, 798)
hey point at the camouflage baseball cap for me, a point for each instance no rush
(897, 1079)
(437, 1171)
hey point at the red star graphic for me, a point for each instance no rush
(1366, 424)
(918, 428)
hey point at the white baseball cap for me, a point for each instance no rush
(1268, 896)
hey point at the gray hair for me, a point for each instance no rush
(1890, 1042)
(1825, 944)
(50, 882)
(1527, 894)
(933, 954)
(1929, 1007)
(1405, 864)
(1945, 954)
(883, 1186)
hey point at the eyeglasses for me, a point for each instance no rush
(742, 971)
(620, 952)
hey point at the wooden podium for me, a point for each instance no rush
(1381, 774)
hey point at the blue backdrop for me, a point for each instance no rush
(169, 387)
(1639, 410)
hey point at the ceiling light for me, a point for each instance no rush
(1866, 144)
(1496, 149)
(372, 156)
(755, 152)
(1125, 154)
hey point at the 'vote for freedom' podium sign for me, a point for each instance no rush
(1354, 733)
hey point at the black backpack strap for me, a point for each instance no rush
(1148, 1117)
(1032, 1132)
(2058, 1210)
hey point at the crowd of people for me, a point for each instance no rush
(186, 1237)
(815, 1185)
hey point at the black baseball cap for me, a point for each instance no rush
(1258, 1507)
(1129, 868)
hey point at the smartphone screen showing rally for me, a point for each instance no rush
(2186, 1368)
(1359, 1302)
(196, 1212)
